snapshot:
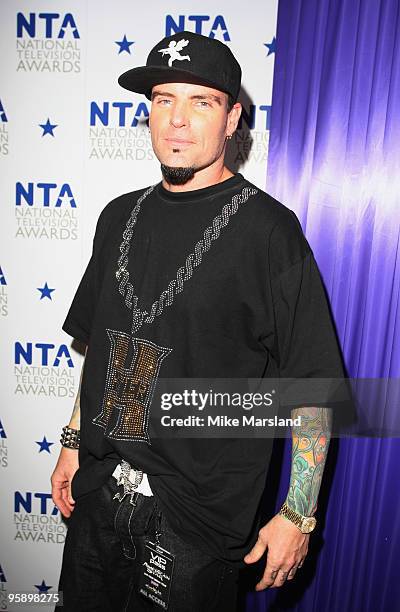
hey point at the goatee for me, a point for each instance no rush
(177, 175)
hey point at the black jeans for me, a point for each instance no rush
(104, 548)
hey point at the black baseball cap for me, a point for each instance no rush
(186, 57)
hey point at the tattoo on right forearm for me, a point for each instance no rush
(75, 420)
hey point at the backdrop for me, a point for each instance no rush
(334, 158)
(71, 140)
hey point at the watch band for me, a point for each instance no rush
(306, 524)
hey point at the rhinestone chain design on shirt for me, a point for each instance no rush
(194, 259)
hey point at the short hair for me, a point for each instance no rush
(230, 103)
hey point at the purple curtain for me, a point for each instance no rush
(334, 158)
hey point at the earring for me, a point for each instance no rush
(228, 136)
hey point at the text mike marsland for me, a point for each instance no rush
(225, 421)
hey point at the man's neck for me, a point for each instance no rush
(203, 178)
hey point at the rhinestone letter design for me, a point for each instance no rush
(129, 387)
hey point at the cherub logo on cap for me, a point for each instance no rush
(173, 50)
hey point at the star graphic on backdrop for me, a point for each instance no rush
(43, 588)
(44, 445)
(48, 128)
(124, 45)
(271, 46)
(45, 291)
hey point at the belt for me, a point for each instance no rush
(137, 479)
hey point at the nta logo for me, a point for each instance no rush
(101, 112)
(47, 25)
(2, 431)
(25, 354)
(3, 116)
(2, 278)
(44, 194)
(25, 502)
(203, 24)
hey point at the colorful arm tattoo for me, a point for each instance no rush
(310, 443)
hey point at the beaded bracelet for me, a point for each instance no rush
(70, 438)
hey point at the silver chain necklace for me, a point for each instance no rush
(194, 259)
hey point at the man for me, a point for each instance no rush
(201, 276)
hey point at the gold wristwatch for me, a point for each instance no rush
(306, 524)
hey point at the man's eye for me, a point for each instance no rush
(202, 103)
(164, 101)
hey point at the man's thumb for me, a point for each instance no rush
(70, 498)
(256, 552)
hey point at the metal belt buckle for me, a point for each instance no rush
(129, 486)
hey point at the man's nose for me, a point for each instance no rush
(179, 115)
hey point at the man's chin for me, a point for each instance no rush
(177, 175)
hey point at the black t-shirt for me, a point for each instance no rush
(253, 307)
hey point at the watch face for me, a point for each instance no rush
(308, 524)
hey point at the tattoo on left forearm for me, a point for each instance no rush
(310, 443)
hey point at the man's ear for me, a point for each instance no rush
(233, 118)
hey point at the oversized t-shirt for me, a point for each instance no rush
(252, 306)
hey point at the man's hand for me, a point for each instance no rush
(287, 549)
(61, 478)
